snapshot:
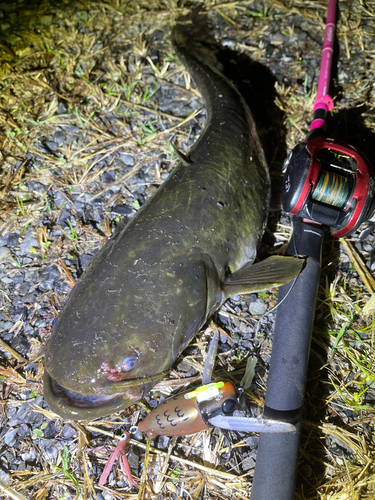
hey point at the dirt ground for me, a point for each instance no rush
(92, 96)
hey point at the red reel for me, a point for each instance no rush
(330, 183)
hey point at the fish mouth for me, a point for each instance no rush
(73, 405)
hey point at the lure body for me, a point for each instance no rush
(189, 413)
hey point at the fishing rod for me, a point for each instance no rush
(327, 184)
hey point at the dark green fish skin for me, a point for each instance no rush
(154, 285)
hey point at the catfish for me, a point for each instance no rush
(153, 286)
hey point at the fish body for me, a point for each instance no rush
(155, 284)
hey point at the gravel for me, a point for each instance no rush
(70, 208)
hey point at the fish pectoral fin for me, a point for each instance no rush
(274, 271)
(184, 158)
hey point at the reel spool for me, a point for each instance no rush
(328, 182)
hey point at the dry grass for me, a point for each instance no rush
(97, 65)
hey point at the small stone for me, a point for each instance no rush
(127, 159)
(29, 455)
(51, 145)
(20, 344)
(51, 430)
(88, 197)
(13, 240)
(23, 431)
(4, 476)
(257, 308)
(65, 216)
(248, 463)
(368, 29)
(4, 253)
(61, 110)
(68, 432)
(252, 441)
(36, 186)
(122, 210)
(59, 137)
(28, 242)
(133, 460)
(163, 442)
(109, 177)
(84, 261)
(11, 437)
(28, 298)
(60, 200)
(49, 273)
(72, 129)
(50, 453)
(26, 415)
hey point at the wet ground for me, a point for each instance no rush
(91, 97)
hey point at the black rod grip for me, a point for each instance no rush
(276, 463)
(292, 337)
(275, 469)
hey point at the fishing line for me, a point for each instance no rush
(332, 189)
(276, 306)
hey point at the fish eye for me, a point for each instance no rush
(129, 363)
(228, 406)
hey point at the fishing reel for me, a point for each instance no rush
(330, 183)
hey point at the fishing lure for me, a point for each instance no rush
(211, 404)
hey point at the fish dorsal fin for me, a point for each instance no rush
(274, 271)
(184, 158)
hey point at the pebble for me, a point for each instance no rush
(277, 39)
(252, 441)
(61, 110)
(29, 455)
(49, 449)
(122, 210)
(36, 186)
(11, 240)
(60, 200)
(109, 177)
(248, 463)
(84, 261)
(65, 216)
(4, 475)
(25, 414)
(68, 432)
(59, 137)
(28, 242)
(257, 308)
(163, 442)
(28, 298)
(4, 253)
(10, 437)
(133, 460)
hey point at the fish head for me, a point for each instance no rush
(90, 379)
(107, 351)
